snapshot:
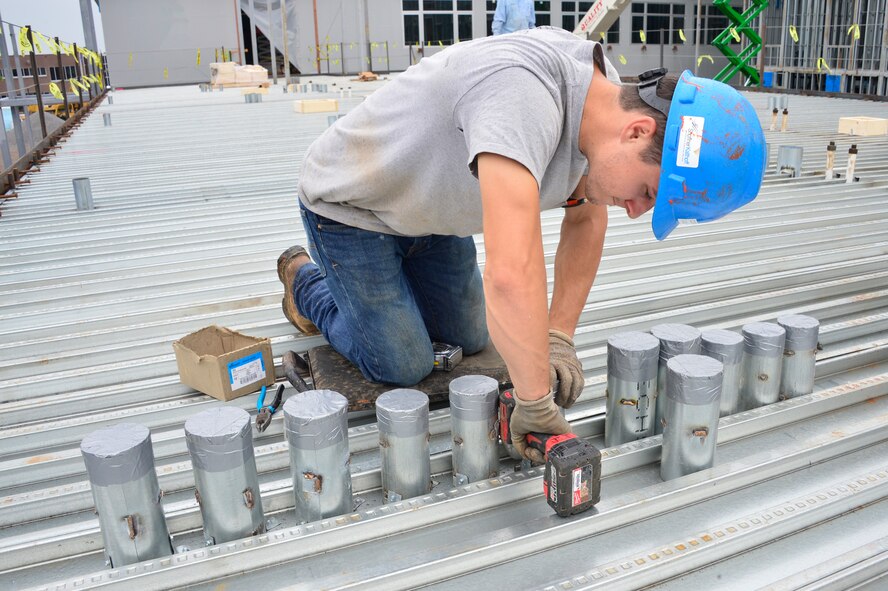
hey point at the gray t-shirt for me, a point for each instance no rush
(403, 162)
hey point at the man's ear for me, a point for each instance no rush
(640, 127)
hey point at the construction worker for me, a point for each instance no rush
(480, 138)
(513, 15)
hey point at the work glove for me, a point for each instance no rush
(535, 416)
(565, 367)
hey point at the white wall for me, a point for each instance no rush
(166, 34)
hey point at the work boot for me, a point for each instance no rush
(290, 261)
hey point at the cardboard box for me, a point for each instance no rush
(223, 363)
(316, 106)
(864, 126)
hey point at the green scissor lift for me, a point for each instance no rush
(739, 63)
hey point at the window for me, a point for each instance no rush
(54, 73)
(41, 72)
(571, 18)
(654, 17)
(712, 23)
(26, 73)
(436, 21)
(70, 72)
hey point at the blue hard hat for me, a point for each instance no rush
(713, 151)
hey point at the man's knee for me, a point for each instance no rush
(402, 369)
(475, 342)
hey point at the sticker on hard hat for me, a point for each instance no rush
(690, 139)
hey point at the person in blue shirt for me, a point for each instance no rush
(513, 15)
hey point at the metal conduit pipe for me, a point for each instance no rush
(316, 428)
(800, 348)
(120, 464)
(690, 426)
(473, 414)
(727, 347)
(763, 344)
(632, 364)
(226, 482)
(675, 339)
(403, 418)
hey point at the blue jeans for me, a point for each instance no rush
(380, 300)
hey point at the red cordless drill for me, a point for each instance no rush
(572, 479)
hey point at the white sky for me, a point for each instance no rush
(53, 18)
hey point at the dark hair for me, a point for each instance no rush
(630, 101)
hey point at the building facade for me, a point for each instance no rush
(47, 71)
(808, 44)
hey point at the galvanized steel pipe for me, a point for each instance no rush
(473, 412)
(83, 194)
(120, 465)
(675, 339)
(762, 364)
(691, 421)
(797, 377)
(726, 346)
(403, 418)
(226, 483)
(632, 363)
(316, 426)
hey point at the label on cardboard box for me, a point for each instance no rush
(246, 371)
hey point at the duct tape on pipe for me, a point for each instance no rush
(403, 412)
(802, 331)
(694, 379)
(219, 439)
(764, 339)
(316, 419)
(633, 356)
(117, 454)
(473, 398)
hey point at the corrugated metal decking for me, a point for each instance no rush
(195, 198)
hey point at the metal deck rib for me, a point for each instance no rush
(195, 198)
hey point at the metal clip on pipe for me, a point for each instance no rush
(675, 339)
(403, 419)
(473, 410)
(727, 347)
(802, 332)
(632, 362)
(763, 344)
(120, 466)
(226, 482)
(691, 421)
(316, 426)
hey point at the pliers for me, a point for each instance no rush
(263, 419)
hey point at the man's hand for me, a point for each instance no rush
(565, 367)
(535, 416)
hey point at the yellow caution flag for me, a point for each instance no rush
(54, 89)
(644, 38)
(821, 65)
(166, 73)
(53, 48)
(130, 61)
(440, 44)
(603, 35)
(198, 56)
(735, 34)
(24, 44)
(702, 57)
(622, 59)
(793, 33)
(78, 84)
(374, 45)
(681, 35)
(855, 30)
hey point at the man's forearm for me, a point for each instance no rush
(576, 264)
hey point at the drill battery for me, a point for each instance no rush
(572, 481)
(572, 478)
